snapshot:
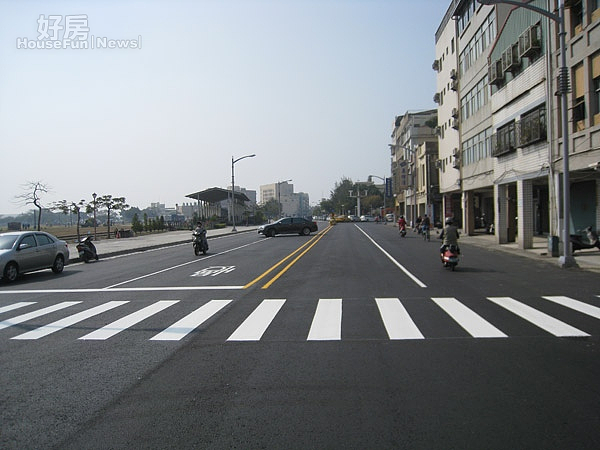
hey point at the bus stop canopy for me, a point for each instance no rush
(216, 195)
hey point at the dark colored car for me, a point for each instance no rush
(25, 251)
(288, 225)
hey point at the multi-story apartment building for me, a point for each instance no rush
(520, 99)
(448, 112)
(582, 23)
(509, 136)
(291, 204)
(413, 153)
(476, 30)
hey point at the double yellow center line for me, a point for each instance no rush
(300, 252)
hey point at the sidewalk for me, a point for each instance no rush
(114, 247)
(586, 259)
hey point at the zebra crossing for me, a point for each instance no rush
(326, 324)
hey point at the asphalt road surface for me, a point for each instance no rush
(349, 338)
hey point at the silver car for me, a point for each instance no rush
(27, 251)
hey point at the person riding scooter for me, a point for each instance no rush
(450, 237)
(199, 237)
(402, 226)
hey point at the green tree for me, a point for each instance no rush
(136, 225)
(270, 209)
(111, 204)
(67, 207)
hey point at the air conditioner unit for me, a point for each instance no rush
(455, 152)
(453, 74)
(436, 65)
(456, 162)
(437, 97)
(455, 112)
(454, 85)
(530, 42)
(437, 131)
(510, 59)
(495, 73)
(455, 124)
(438, 163)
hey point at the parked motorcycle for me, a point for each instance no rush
(87, 250)
(450, 256)
(200, 243)
(578, 243)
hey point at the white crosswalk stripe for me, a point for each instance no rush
(190, 322)
(15, 306)
(35, 314)
(396, 320)
(326, 322)
(257, 323)
(68, 321)
(128, 321)
(472, 322)
(584, 308)
(538, 318)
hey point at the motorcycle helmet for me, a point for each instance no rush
(449, 221)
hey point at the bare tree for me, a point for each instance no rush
(32, 196)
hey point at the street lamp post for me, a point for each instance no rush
(566, 260)
(384, 192)
(279, 183)
(233, 161)
(94, 195)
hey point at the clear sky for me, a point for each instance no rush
(311, 87)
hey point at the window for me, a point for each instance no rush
(576, 17)
(43, 239)
(596, 88)
(578, 110)
(505, 140)
(594, 7)
(533, 126)
(475, 99)
(28, 240)
(476, 47)
(476, 148)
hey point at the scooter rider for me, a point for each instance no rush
(401, 224)
(201, 231)
(450, 236)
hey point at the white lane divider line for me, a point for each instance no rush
(189, 323)
(391, 258)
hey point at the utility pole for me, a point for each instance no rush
(358, 196)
